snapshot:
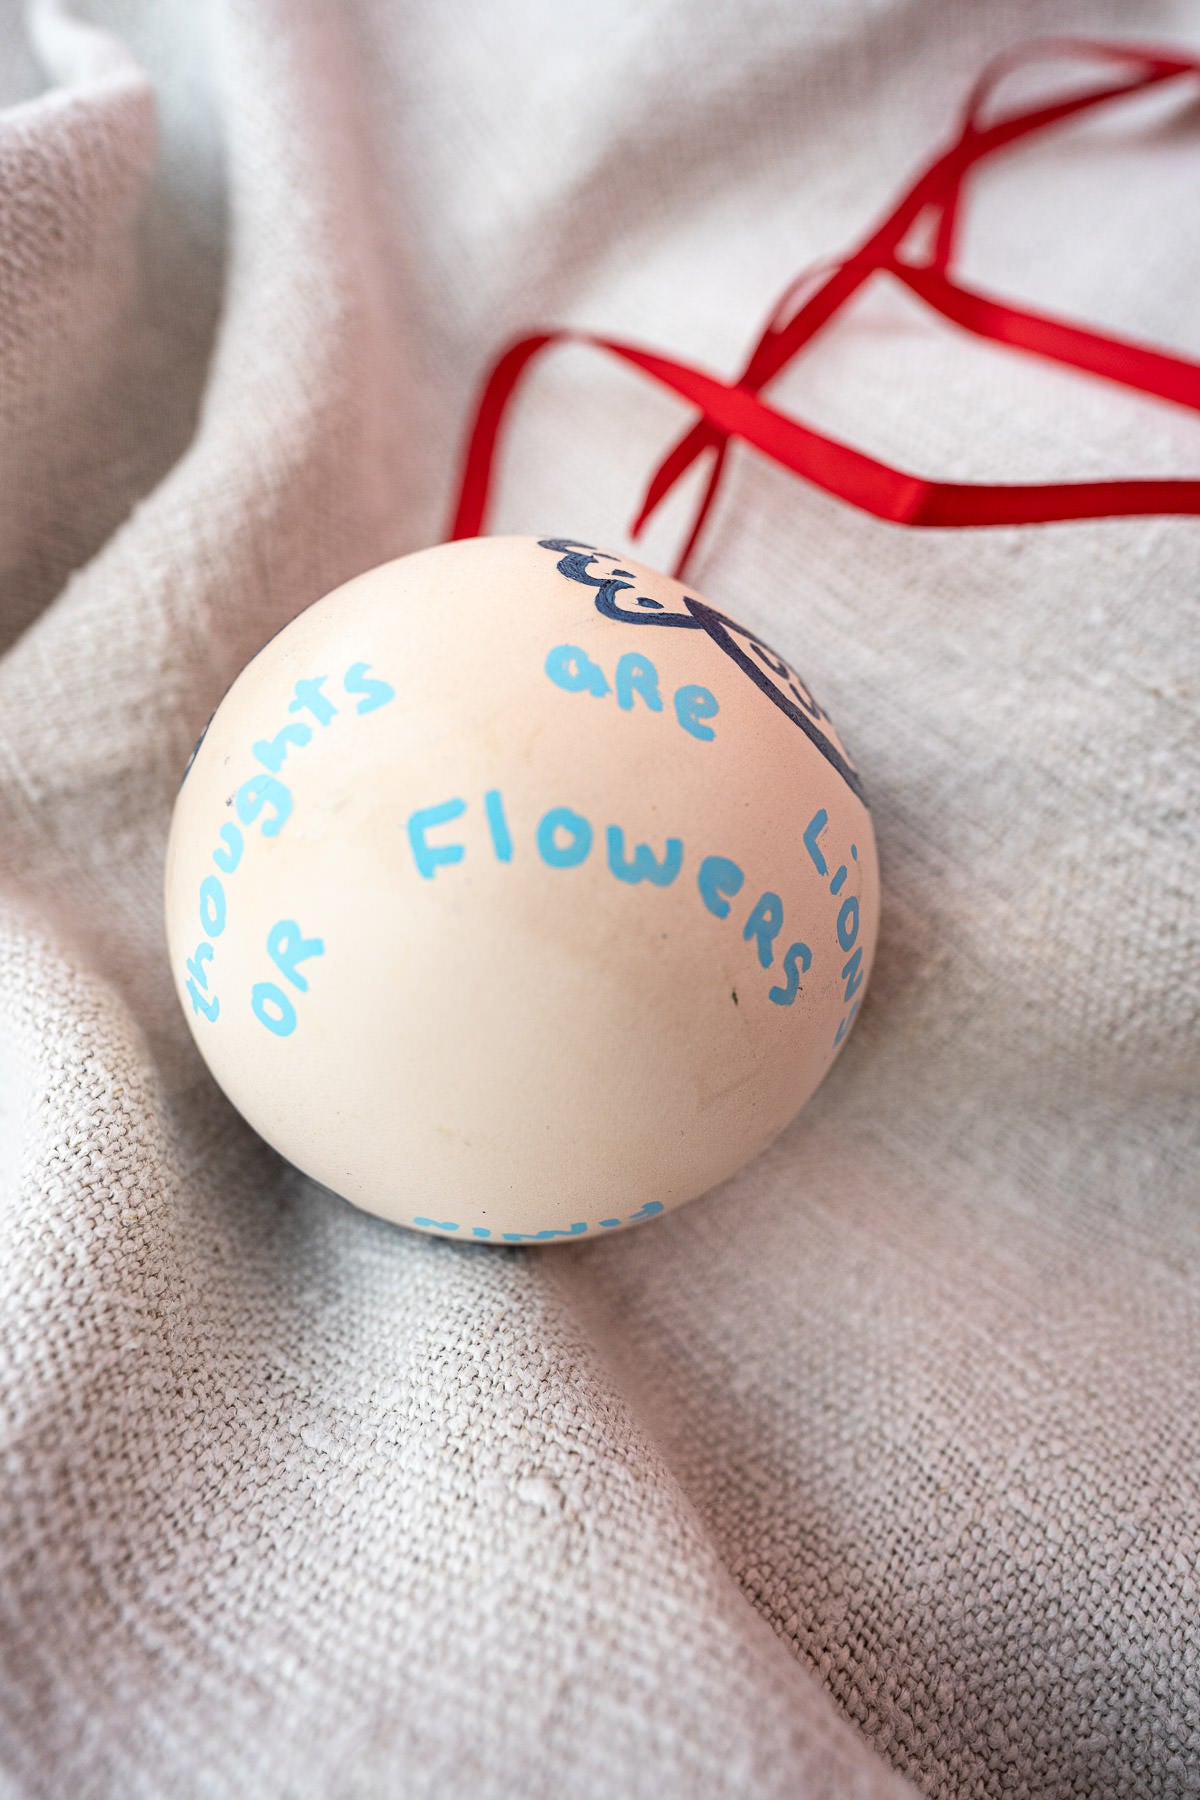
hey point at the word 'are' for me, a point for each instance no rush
(635, 678)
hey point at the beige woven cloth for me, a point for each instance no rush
(877, 1471)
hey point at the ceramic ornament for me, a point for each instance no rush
(517, 894)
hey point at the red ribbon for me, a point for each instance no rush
(736, 409)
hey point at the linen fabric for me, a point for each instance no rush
(875, 1472)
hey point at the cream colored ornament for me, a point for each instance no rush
(515, 893)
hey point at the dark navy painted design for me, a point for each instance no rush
(776, 678)
(770, 672)
(575, 565)
(278, 632)
(196, 749)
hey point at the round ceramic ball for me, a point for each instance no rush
(517, 894)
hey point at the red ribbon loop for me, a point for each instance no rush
(729, 410)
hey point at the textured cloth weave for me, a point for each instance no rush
(877, 1471)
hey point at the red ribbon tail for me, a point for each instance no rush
(479, 457)
(1136, 366)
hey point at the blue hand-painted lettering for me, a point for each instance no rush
(272, 752)
(272, 1008)
(636, 678)
(719, 881)
(310, 699)
(265, 800)
(212, 906)
(493, 806)
(211, 1008)
(644, 865)
(375, 693)
(797, 960)
(195, 964)
(847, 922)
(693, 704)
(572, 853)
(287, 948)
(578, 1228)
(636, 675)
(428, 857)
(573, 670)
(228, 854)
(764, 926)
(264, 791)
(812, 833)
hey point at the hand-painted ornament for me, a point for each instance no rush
(517, 894)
